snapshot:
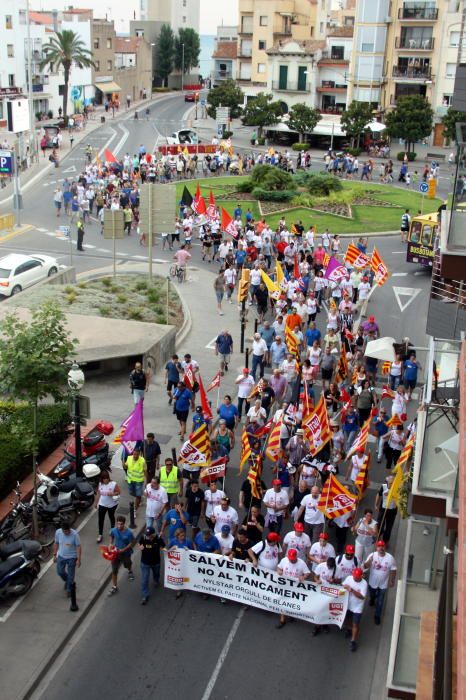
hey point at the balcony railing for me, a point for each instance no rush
(402, 42)
(411, 73)
(282, 31)
(223, 75)
(244, 53)
(418, 13)
(290, 87)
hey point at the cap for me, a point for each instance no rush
(292, 554)
(371, 319)
(276, 482)
(226, 528)
(358, 573)
(360, 449)
(323, 536)
(349, 549)
(299, 527)
(245, 370)
(198, 409)
(273, 538)
(150, 531)
(300, 431)
(380, 543)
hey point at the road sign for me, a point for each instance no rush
(84, 407)
(423, 187)
(114, 223)
(6, 163)
(222, 115)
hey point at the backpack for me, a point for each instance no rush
(339, 559)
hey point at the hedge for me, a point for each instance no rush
(411, 156)
(318, 184)
(273, 195)
(16, 421)
(300, 146)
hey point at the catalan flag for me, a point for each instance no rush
(342, 367)
(362, 479)
(317, 427)
(361, 439)
(355, 258)
(386, 368)
(292, 342)
(273, 443)
(245, 450)
(405, 453)
(397, 485)
(196, 450)
(354, 376)
(254, 476)
(335, 500)
(387, 393)
(258, 389)
(380, 270)
(394, 421)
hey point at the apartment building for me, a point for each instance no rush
(225, 54)
(178, 14)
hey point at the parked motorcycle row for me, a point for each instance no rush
(60, 497)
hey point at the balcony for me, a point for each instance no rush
(331, 86)
(428, 14)
(412, 73)
(402, 42)
(290, 87)
(223, 75)
(283, 30)
(328, 58)
(244, 53)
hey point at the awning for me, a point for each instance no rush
(109, 86)
(381, 349)
(376, 126)
(328, 129)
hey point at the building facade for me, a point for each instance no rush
(179, 14)
(225, 55)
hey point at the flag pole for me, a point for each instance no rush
(326, 502)
(218, 396)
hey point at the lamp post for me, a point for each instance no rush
(182, 68)
(76, 383)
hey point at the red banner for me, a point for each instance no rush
(317, 427)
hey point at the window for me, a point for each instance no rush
(22, 16)
(140, 33)
(447, 100)
(338, 52)
(96, 43)
(451, 70)
(11, 80)
(454, 38)
(261, 67)
(8, 21)
(263, 21)
(97, 66)
(109, 43)
(184, 3)
(61, 90)
(109, 64)
(262, 45)
(367, 48)
(321, 27)
(10, 50)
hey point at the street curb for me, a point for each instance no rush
(186, 328)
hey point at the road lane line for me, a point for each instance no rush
(13, 234)
(223, 655)
(399, 274)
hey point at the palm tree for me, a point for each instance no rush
(62, 51)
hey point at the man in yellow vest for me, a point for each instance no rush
(136, 475)
(171, 480)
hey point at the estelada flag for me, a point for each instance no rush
(342, 367)
(317, 427)
(206, 410)
(361, 439)
(109, 157)
(216, 470)
(379, 268)
(212, 212)
(292, 342)
(196, 450)
(355, 258)
(273, 448)
(254, 477)
(335, 500)
(245, 450)
(228, 225)
(362, 479)
(215, 381)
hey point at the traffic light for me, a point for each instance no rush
(243, 286)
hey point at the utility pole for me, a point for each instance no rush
(32, 135)
(182, 67)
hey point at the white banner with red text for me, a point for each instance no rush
(240, 581)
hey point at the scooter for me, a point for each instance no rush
(18, 571)
(49, 494)
(92, 467)
(94, 443)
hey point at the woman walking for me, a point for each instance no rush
(107, 497)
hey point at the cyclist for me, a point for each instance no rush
(181, 257)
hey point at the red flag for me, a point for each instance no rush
(109, 157)
(216, 470)
(228, 225)
(201, 208)
(317, 427)
(215, 382)
(188, 377)
(356, 258)
(265, 430)
(387, 393)
(206, 410)
(212, 209)
(379, 268)
(197, 197)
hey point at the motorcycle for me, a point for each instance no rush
(94, 443)
(79, 493)
(92, 467)
(19, 569)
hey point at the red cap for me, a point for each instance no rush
(299, 527)
(360, 449)
(323, 536)
(349, 549)
(245, 370)
(371, 319)
(380, 543)
(276, 482)
(273, 538)
(358, 573)
(292, 554)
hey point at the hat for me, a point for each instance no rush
(198, 409)
(349, 549)
(245, 370)
(380, 543)
(273, 538)
(150, 531)
(323, 536)
(298, 527)
(360, 449)
(226, 528)
(371, 319)
(334, 424)
(276, 482)
(300, 431)
(358, 573)
(292, 554)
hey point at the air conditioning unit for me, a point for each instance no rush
(388, 20)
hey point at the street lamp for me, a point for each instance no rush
(76, 383)
(182, 68)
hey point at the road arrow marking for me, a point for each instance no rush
(71, 169)
(212, 344)
(409, 292)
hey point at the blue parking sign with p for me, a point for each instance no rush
(6, 163)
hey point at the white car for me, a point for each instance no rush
(20, 271)
(183, 137)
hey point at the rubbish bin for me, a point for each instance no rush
(102, 120)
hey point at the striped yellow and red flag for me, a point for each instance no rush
(196, 450)
(326, 260)
(273, 443)
(405, 453)
(257, 389)
(361, 439)
(335, 500)
(386, 368)
(379, 268)
(355, 258)
(245, 450)
(317, 427)
(293, 229)
(254, 476)
(292, 342)
(342, 367)
(362, 479)
(394, 421)
(354, 376)
(387, 393)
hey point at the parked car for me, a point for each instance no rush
(183, 136)
(17, 272)
(191, 96)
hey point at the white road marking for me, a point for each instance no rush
(102, 250)
(399, 274)
(398, 252)
(140, 257)
(223, 655)
(418, 272)
(212, 344)
(88, 245)
(71, 169)
(409, 292)
(42, 230)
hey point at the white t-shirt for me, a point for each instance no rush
(268, 557)
(260, 414)
(357, 463)
(255, 277)
(212, 499)
(364, 289)
(156, 499)
(293, 569)
(106, 500)
(272, 498)
(312, 515)
(226, 543)
(259, 347)
(321, 553)
(301, 543)
(355, 604)
(224, 517)
(325, 574)
(345, 567)
(245, 386)
(380, 568)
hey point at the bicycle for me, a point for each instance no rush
(178, 272)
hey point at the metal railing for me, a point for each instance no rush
(290, 86)
(426, 13)
(402, 42)
(411, 73)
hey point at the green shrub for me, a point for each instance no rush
(82, 285)
(106, 281)
(245, 185)
(273, 196)
(161, 89)
(411, 156)
(141, 285)
(153, 296)
(269, 177)
(318, 184)
(303, 200)
(122, 298)
(71, 297)
(227, 134)
(105, 311)
(300, 146)
(354, 151)
(135, 314)
(69, 290)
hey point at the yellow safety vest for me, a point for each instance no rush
(169, 481)
(135, 469)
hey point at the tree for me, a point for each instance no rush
(303, 119)
(355, 119)
(411, 120)
(227, 94)
(261, 111)
(164, 52)
(188, 38)
(450, 120)
(64, 50)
